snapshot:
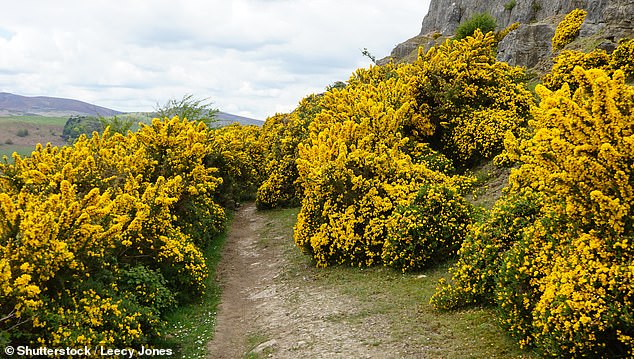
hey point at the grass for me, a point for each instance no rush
(8, 149)
(21, 133)
(36, 120)
(253, 341)
(400, 303)
(189, 328)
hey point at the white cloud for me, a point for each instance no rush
(251, 57)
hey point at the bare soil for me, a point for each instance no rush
(269, 309)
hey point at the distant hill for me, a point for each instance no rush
(16, 105)
(227, 119)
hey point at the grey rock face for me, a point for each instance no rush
(528, 45)
(607, 22)
(445, 15)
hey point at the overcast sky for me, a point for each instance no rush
(250, 57)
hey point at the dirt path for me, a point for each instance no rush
(271, 309)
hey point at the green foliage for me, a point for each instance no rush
(117, 124)
(189, 108)
(338, 85)
(483, 21)
(147, 287)
(369, 55)
(81, 125)
(23, 132)
(510, 5)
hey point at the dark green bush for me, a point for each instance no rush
(81, 125)
(484, 21)
(23, 132)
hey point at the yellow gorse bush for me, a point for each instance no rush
(281, 136)
(238, 154)
(392, 130)
(471, 99)
(556, 254)
(429, 230)
(473, 277)
(568, 29)
(623, 58)
(580, 160)
(565, 63)
(357, 167)
(96, 240)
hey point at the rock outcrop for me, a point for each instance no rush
(530, 45)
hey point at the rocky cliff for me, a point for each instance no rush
(530, 45)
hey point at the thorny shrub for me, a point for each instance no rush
(563, 281)
(99, 239)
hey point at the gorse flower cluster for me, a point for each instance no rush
(100, 239)
(354, 169)
(238, 154)
(565, 63)
(429, 230)
(580, 162)
(562, 72)
(470, 98)
(281, 136)
(623, 58)
(391, 131)
(556, 255)
(568, 29)
(473, 277)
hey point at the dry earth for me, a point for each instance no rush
(270, 309)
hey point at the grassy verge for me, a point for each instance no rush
(399, 303)
(189, 328)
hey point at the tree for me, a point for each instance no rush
(79, 125)
(117, 124)
(188, 107)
